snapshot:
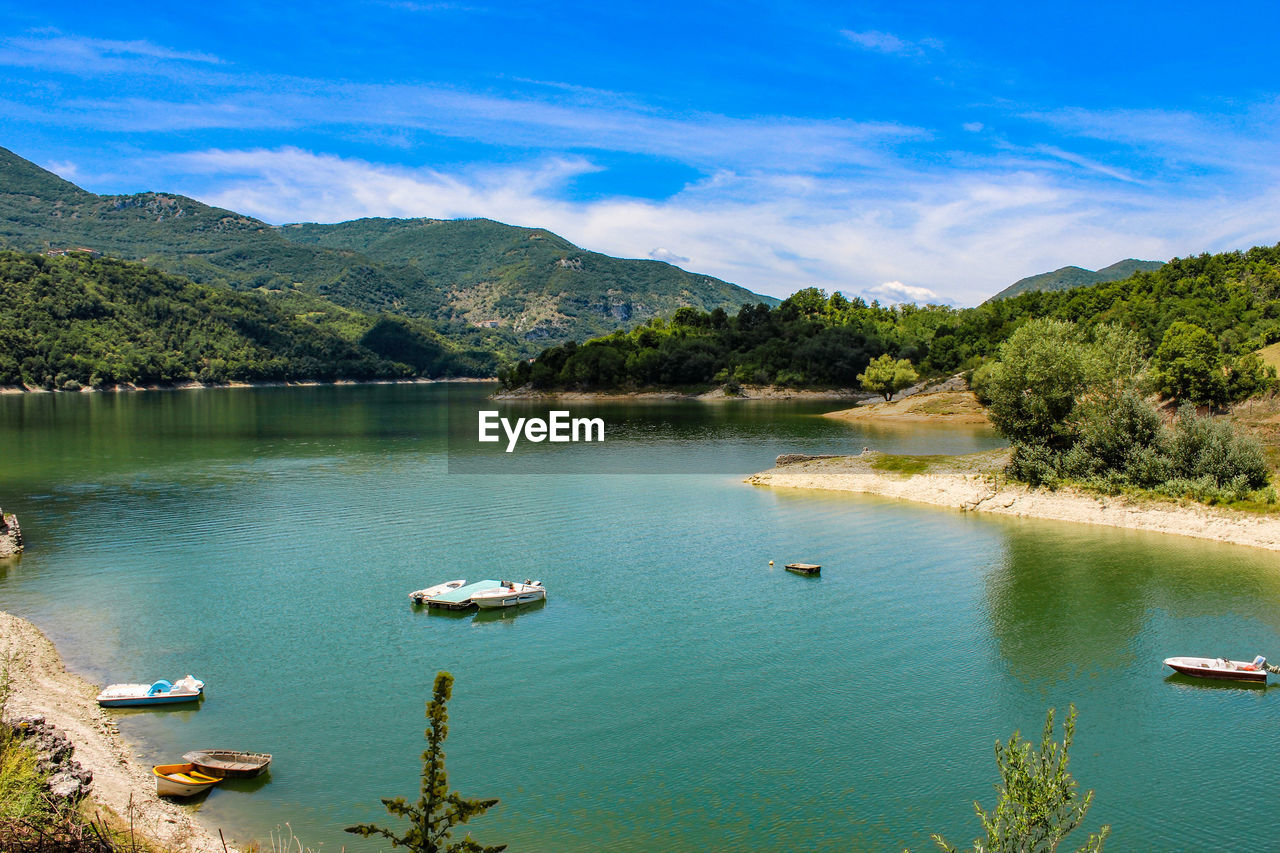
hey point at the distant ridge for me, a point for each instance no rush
(1071, 277)
(503, 288)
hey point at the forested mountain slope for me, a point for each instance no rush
(80, 321)
(496, 286)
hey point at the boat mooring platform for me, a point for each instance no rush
(460, 598)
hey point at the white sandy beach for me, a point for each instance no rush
(43, 687)
(979, 491)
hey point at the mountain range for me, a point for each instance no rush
(482, 284)
(1067, 278)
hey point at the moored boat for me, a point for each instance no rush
(1221, 668)
(181, 780)
(228, 763)
(423, 596)
(510, 594)
(160, 692)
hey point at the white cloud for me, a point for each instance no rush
(661, 254)
(64, 169)
(881, 42)
(703, 140)
(973, 126)
(53, 51)
(895, 292)
(954, 237)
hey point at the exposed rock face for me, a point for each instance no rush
(10, 535)
(68, 781)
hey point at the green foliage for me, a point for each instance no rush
(22, 785)
(1188, 365)
(1034, 386)
(887, 376)
(438, 810)
(902, 464)
(1201, 448)
(1121, 436)
(1038, 802)
(1074, 410)
(77, 321)
(809, 340)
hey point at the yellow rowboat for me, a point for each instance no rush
(181, 780)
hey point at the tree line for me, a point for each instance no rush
(1199, 317)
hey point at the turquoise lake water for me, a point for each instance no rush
(675, 692)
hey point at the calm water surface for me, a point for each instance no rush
(676, 692)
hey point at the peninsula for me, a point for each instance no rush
(976, 483)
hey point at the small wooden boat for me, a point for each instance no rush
(1221, 668)
(228, 763)
(510, 594)
(160, 692)
(181, 780)
(803, 568)
(422, 596)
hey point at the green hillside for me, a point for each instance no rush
(80, 321)
(488, 285)
(528, 280)
(813, 340)
(1072, 277)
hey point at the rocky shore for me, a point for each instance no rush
(80, 741)
(974, 484)
(10, 535)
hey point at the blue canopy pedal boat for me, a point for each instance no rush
(160, 692)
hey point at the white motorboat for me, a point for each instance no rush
(422, 596)
(510, 594)
(1221, 668)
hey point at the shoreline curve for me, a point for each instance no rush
(42, 687)
(972, 484)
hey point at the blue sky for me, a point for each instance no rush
(926, 151)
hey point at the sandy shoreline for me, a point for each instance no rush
(971, 487)
(43, 687)
(747, 392)
(950, 406)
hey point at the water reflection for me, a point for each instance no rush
(1065, 599)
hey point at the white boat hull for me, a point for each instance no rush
(181, 780)
(422, 596)
(510, 596)
(136, 695)
(1219, 668)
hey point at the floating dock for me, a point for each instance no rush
(460, 598)
(803, 568)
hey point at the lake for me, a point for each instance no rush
(675, 692)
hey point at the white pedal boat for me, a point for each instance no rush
(157, 693)
(422, 596)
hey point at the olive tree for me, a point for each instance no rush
(886, 375)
